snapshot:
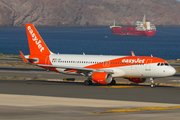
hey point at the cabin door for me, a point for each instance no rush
(148, 65)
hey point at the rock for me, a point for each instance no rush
(65, 13)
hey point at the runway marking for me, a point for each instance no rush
(121, 86)
(174, 80)
(135, 110)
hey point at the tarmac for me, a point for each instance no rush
(49, 97)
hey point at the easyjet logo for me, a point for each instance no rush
(35, 39)
(133, 60)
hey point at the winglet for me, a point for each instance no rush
(132, 53)
(24, 59)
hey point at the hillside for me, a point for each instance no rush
(87, 12)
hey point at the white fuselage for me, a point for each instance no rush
(119, 68)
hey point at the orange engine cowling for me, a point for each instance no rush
(102, 77)
(137, 80)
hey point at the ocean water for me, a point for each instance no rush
(94, 41)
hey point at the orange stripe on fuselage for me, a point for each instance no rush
(126, 61)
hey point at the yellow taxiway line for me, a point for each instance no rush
(136, 109)
(122, 86)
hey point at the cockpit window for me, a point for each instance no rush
(166, 64)
(163, 64)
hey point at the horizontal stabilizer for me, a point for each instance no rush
(24, 59)
(27, 60)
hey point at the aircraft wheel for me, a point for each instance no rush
(87, 82)
(152, 85)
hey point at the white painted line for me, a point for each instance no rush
(30, 100)
(174, 80)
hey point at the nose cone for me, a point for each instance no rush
(171, 71)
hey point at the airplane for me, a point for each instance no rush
(102, 69)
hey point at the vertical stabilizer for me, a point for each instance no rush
(36, 44)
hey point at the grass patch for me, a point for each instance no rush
(1, 55)
(15, 77)
(16, 64)
(38, 78)
(11, 55)
(4, 78)
(177, 69)
(173, 61)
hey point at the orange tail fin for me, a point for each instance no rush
(36, 44)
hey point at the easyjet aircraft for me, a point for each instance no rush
(102, 69)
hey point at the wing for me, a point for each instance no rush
(79, 69)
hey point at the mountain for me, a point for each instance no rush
(65, 13)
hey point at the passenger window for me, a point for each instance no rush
(162, 64)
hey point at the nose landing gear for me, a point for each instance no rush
(152, 83)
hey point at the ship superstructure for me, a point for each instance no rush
(142, 28)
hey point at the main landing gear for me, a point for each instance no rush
(87, 82)
(152, 83)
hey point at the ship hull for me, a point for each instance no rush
(127, 31)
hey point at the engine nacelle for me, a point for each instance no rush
(102, 77)
(137, 80)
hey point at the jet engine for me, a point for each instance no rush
(102, 77)
(137, 80)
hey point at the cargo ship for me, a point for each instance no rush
(142, 28)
